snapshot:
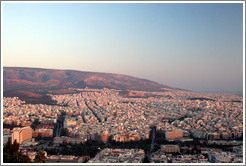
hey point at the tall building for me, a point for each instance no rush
(21, 134)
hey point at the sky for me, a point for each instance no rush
(191, 46)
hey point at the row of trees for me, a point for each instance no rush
(92, 147)
(12, 154)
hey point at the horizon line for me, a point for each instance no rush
(198, 91)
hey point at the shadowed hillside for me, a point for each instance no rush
(43, 81)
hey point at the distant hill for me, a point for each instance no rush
(43, 81)
(30, 97)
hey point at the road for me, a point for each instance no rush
(152, 142)
(58, 129)
(92, 111)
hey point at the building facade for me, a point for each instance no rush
(21, 134)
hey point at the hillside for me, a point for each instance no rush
(42, 81)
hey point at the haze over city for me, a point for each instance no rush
(123, 83)
(191, 46)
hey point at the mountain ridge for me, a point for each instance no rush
(42, 80)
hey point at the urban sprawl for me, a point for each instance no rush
(195, 127)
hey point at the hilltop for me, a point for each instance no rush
(36, 82)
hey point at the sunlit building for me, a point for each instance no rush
(21, 134)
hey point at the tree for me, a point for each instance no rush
(11, 153)
(39, 158)
(35, 123)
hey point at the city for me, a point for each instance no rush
(178, 126)
(129, 82)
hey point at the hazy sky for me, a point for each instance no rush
(191, 46)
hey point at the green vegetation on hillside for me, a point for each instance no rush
(11, 153)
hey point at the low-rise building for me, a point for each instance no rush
(170, 148)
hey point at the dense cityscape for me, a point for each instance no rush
(153, 82)
(102, 125)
